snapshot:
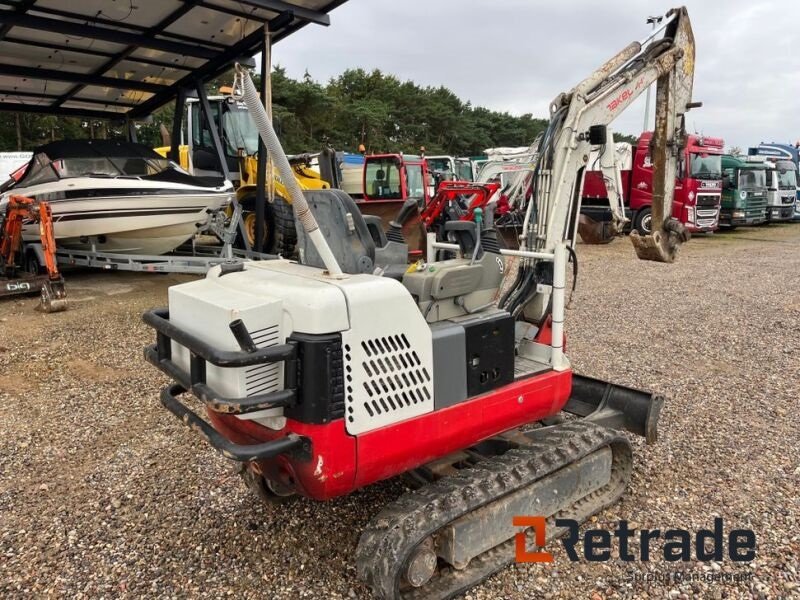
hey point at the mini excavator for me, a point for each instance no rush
(335, 372)
(13, 279)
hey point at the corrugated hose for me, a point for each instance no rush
(245, 90)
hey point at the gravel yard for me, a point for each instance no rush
(104, 493)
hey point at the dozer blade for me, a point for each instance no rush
(54, 297)
(596, 232)
(661, 246)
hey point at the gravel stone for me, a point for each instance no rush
(105, 494)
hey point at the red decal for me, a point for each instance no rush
(615, 103)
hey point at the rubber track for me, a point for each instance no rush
(285, 233)
(392, 535)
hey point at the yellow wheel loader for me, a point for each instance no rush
(240, 142)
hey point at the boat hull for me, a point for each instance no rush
(131, 220)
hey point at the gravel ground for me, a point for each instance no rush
(105, 494)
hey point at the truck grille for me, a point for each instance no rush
(755, 206)
(707, 217)
(707, 200)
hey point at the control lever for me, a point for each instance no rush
(395, 233)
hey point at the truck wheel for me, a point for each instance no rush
(285, 233)
(644, 221)
(249, 223)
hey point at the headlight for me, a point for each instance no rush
(738, 214)
(690, 214)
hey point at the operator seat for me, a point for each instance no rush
(344, 229)
(358, 243)
(378, 183)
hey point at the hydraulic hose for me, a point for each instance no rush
(245, 90)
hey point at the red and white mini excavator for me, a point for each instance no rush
(322, 377)
(15, 280)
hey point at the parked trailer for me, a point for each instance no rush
(190, 258)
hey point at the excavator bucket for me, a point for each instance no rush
(54, 296)
(596, 232)
(662, 245)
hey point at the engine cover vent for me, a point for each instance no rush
(387, 382)
(261, 379)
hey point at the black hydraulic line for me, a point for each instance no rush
(573, 257)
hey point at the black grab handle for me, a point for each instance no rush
(158, 319)
(291, 443)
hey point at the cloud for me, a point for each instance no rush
(517, 55)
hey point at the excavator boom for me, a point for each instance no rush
(579, 120)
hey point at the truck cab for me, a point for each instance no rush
(744, 192)
(781, 187)
(783, 154)
(698, 185)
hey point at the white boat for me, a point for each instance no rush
(115, 196)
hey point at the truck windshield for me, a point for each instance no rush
(382, 181)
(706, 166)
(752, 179)
(439, 164)
(239, 131)
(787, 175)
(118, 166)
(464, 170)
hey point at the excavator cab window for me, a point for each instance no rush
(383, 179)
(238, 130)
(464, 170)
(415, 183)
(204, 157)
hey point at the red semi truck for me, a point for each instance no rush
(698, 185)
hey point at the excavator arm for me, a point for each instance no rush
(579, 120)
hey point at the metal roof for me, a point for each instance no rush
(125, 58)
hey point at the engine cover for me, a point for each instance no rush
(387, 365)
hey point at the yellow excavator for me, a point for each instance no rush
(240, 142)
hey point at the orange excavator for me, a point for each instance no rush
(14, 280)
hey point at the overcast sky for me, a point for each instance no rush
(517, 55)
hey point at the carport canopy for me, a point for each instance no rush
(123, 59)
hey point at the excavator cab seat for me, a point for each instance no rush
(463, 233)
(358, 243)
(379, 183)
(344, 228)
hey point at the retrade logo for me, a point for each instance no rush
(597, 545)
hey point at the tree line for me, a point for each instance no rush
(373, 109)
